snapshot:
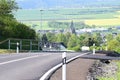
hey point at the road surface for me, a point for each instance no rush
(28, 66)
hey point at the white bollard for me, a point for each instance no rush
(17, 51)
(64, 66)
(93, 49)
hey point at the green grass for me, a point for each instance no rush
(118, 72)
(38, 25)
(111, 78)
(4, 51)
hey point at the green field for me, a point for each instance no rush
(104, 16)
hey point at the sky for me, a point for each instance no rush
(32, 4)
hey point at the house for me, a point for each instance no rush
(53, 46)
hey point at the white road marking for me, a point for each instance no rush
(21, 59)
(9, 55)
(6, 57)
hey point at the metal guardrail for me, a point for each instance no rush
(4, 41)
(24, 44)
(98, 57)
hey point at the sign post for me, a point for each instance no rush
(93, 48)
(64, 66)
(17, 51)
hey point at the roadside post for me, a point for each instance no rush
(93, 48)
(64, 66)
(17, 51)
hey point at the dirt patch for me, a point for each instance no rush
(76, 70)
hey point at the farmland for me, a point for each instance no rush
(103, 22)
(99, 16)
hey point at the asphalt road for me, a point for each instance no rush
(28, 66)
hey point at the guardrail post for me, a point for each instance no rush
(30, 45)
(17, 51)
(9, 44)
(64, 66)
(93, 48)
(20, 44)
(38, 45)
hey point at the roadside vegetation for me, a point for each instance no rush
(75, 42)
(6, 51)
(118, 72)
(115, 76)
(10, 27)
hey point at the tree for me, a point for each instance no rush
(82, 40)
(114, 45)
(73, 43)
(91, 41)
(9, 27)
(51, 37)
(6, 7)
(6, 16)
(97, 39)
(109, 37)
(23, 32)
(6, 27)
(61, 38)
(118, 37)
(86, 38)
(114, 42)
(44, 39)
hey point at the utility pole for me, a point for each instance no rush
(41, 18)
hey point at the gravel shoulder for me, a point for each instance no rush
(76, 70)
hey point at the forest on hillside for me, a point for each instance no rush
(9, 26)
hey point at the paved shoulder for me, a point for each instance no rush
(76, 70)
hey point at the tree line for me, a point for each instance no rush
(66, 25)
(75, 42)
(9, 26)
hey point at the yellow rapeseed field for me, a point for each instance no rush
(103, 22)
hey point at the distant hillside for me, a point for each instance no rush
(33, 4)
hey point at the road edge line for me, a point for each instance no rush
(16, 60)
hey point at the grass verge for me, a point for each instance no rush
(116, 77)
(4, 51)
